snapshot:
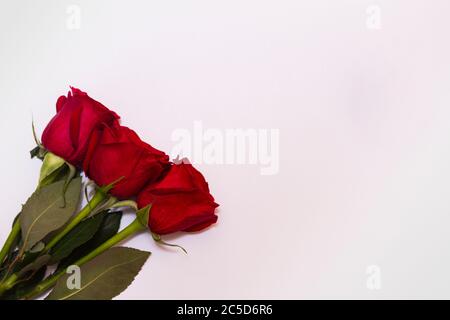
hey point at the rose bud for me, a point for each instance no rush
(118, 154)
(180, 201)
(78, 117)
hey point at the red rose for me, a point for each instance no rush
(78, 117)
(181, 201)
(117, 153)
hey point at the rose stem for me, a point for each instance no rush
(10, 240)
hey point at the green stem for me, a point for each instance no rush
(10, 240)
(9, 283)
(95, 201)
(134, 227)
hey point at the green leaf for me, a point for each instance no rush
(79, 235)
(104, 277)
(38, 247)
(27, 259)
(35, 265)
(45, 211)
(109, 227)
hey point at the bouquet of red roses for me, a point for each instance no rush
(57, 243)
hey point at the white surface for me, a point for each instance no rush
(364, 133)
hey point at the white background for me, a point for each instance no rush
(364, 128)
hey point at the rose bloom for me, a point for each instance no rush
(181, 201)
(117, 153)
(78, 117)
